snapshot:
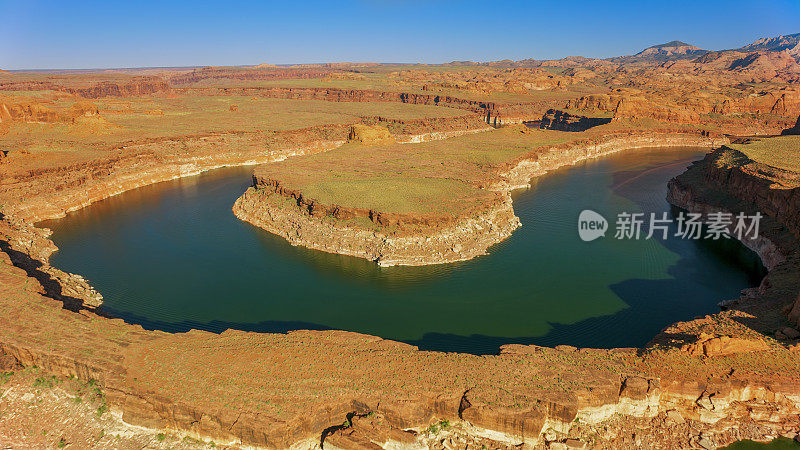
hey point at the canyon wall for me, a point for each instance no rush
(489, 110)
(19, 109)
(61, 190)
(728, 181)
(768, 110)
(134, 86)
(250, 73)
(66, 189)
(608, 398)
(519, 174)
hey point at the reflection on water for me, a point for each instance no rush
(172, 256)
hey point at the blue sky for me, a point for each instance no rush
(94, 34)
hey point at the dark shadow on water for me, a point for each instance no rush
(215, 326)
(32, 268)
(647, 314)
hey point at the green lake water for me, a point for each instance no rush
(775, 444)
(172, 256)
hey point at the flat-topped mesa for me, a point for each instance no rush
(316, 209)
(387, 237)
(259, 72)
(490, 111)
(118, 87)
(428, 203)
(134, 87)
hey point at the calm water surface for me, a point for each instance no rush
(775, 444)
(172, 256)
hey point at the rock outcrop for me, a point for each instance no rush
(710, 345)
(563, 121)
(795, 130)
(489, 110)
(728, 181)
(19, 109)
(399, 239)
(124, 87)
(259, 72)
(370, 135)
(628, 106)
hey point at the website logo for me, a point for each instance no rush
(591, 225)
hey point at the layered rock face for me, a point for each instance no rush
(728, 181)
(59, 190)
(489, 110)
(771, 190)
(690, 109)
(30, 248)
(135, 87)
(370, 135)
(423, 130)
(397, 239)
(139, 85)
(260, 72)
(633, 107)
(18, 109)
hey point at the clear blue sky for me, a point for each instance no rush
(95, 34)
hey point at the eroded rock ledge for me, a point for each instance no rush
(407, 239)
(421, 241)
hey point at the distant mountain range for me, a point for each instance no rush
(789, 43)
(763, 54)
(681, 50)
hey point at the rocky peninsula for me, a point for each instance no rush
(480, 219)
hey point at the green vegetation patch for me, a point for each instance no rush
(438, 177)
(782, 152)
(396, 194)
(122, 121)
